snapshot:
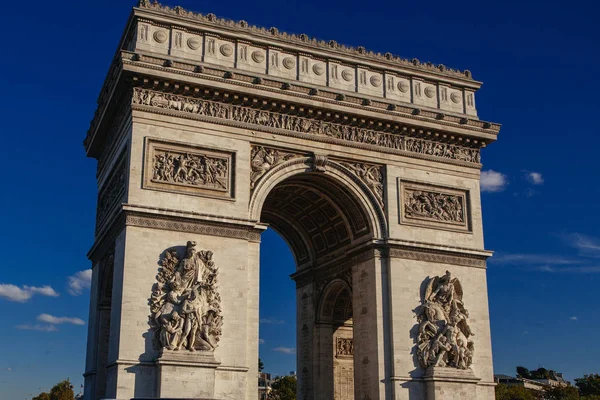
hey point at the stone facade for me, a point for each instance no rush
(207, 132)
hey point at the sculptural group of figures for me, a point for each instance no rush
(295, 123)
(190, 169)
(439, 206)
(444, 334)
(185, 303)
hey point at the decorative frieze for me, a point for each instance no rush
(185, 303)
(434, 206)
(188, 169)
(445, 337)
(344, 347)
(282, 123)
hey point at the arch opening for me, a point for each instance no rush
(322, 218)
(317, 215)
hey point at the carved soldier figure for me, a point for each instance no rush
(171, 331)
(444, 331)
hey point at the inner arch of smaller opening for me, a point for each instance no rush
(316, 215)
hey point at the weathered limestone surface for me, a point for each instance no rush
(207, 132)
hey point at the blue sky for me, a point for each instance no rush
(539, 62)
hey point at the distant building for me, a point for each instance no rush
(264, 385)
(556, 379)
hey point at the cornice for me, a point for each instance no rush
(305, 90)
(310, 43)
(190, 225)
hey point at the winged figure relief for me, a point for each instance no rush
(263, 159)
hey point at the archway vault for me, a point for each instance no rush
(320, 211)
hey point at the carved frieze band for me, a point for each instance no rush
(344, 347)
(434, 206)
(188, 169)
(112, 192)
(438, 257)
(190, 226)
(267, 120)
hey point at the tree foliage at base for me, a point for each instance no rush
(61, 391)
(505, 392)
(283, 389)
(589, 385)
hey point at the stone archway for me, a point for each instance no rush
(325, 217)
(207, 131)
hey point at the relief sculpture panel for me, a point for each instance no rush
(434, 206)
(188, 169)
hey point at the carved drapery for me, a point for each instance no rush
(444, 338)
(190, 169)
(185, 304)
(268, 119)
(433, 206)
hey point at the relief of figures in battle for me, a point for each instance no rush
(436, 206)
(185, 302)
(445, 338)
(190, 169)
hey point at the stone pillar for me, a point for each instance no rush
(91, 354)
(306, 334)
(368, 318)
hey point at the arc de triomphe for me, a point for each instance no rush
(207, 131)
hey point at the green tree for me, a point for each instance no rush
(283, 389)
(523, 372)
(62, 391)
(562, 393)
(540, 373)
(589, 385)
(42, 396)
(505, 392)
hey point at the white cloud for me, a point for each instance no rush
(21, 295)
(492, 181)
(573, 318)
(533, 259)
(272, 321)
(285, 350)
(50, 319)
(588, 246)
(80, 281)
(38, 327)
(261, 341)
(535, 177)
